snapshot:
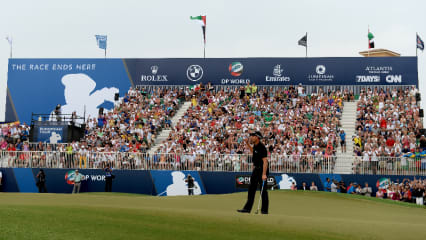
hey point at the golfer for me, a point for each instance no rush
(259, 174)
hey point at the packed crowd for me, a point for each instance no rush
(406, 191)
(293, 123)
(130, 127)
(412, 191)
(388, 123)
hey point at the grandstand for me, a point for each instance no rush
(182, 123)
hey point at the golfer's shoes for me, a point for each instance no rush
(243, 211)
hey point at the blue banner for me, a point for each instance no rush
(173, 183)
(51, 134)
(275, 71)
(85, 85)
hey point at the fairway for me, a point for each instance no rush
(294, 215)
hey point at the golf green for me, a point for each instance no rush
(293, 215)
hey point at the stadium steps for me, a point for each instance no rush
(164, 134)
(344, 161)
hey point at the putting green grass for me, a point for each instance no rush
(293, 215)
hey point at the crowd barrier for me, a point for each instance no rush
(210, 162)
(172, 183)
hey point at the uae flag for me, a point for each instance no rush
(370, 40)
(202, 21)
(420, 43)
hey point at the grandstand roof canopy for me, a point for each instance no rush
(379, 52)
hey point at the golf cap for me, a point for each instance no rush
(256, 134)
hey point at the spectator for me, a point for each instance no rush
(334, 186)
(327, 185)
(342, 140)
(293, 186)
(77, 181)
(41, 181)
(351, 188)
(380, 193)
(304, 187)
(313, 187)
(366, 191)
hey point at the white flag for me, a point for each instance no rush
(9, 39)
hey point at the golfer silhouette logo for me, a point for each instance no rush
(286, 181)
(55, 138)
(179, 187)
(79, 94)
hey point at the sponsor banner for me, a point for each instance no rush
(85, 85)
(243, 181)
(127, 181)
(81, 85)
(274, 71)
(173, 183)
(51, 134)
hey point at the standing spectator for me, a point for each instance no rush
(108, 178)
(190, 182)
(327, 185)
(1, 178)
(419, 193)
(41, 181)
(343, 140)
(313, 187)
(342, 187)
(77, 181)
(366, 191)
(334, 186)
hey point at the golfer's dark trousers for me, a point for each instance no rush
(255, 181)
(190, 191)
(108, 184)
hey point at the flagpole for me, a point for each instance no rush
(416, 45)
(368, 40)
(204, 49)
(306, 44)
(105, 53)
(11, 47)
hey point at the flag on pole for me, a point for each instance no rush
(101, 40)
(9, 39)
(303, 41)
(420, 43)
(370, 39)
(202, 20)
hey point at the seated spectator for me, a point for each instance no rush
(313, 187)
(304, 187)
(366, 191)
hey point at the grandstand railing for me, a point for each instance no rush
(207, 162)
(309, 89)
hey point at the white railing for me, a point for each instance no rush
(390, 166)
(206, 162)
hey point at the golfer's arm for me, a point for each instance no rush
(265, 165)
(250, 147)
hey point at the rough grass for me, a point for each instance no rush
(293, 215)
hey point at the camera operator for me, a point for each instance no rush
(190, 181)
(58, 112)
(41, 181)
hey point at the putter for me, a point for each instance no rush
(261, 191)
